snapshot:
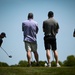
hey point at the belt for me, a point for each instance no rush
(48, 34)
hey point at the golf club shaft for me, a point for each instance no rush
(4, 51)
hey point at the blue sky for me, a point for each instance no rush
(14, 12)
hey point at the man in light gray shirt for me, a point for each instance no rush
(30, 29)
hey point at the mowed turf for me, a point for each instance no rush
(37, 71)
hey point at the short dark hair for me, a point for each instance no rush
(3, 34)
(30, 15)
(50, 14)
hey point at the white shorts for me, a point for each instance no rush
(31, 46)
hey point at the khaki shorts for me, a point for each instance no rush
(31, 46)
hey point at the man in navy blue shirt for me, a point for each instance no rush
(2, 35)
(30, 29)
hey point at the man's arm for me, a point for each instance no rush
(22, 26)
(37, 29)
(43, 26)
(57, 28)
(74, 33)
(1, 41)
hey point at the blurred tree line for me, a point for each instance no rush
(70, 62)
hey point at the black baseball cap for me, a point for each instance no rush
(3, 34)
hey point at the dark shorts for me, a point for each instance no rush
(50, 42)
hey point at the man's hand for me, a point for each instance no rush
(74, 33)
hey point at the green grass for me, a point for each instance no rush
(37, 71)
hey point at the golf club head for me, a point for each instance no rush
(10, 56)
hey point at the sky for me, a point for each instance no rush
(14, 12)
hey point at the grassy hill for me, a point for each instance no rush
(37, 71)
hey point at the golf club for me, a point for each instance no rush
(6, 53)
